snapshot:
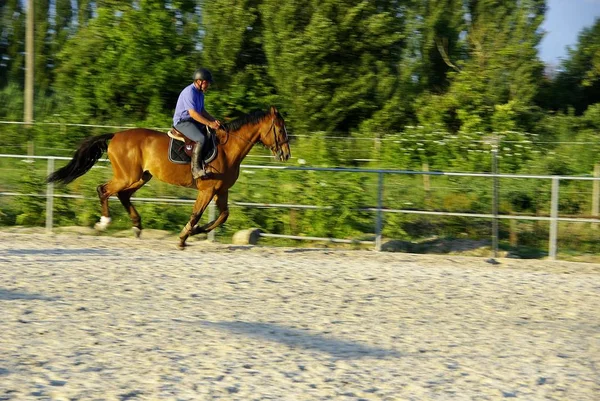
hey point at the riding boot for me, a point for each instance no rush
(197, 163)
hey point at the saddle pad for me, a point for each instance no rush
(177, 152)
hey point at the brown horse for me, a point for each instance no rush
(137, 155)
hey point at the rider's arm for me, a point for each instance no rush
(203, 118)
(207, 115)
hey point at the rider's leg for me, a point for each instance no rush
(197, 162)
(195, 131)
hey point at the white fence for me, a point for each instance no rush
(379, 211)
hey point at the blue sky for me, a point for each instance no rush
(564, 21)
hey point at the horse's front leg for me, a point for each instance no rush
(221, 201)
(200, 205)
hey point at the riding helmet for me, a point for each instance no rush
(203, 74)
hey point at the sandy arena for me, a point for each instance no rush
(104, 318)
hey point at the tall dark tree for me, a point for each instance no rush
(336, 62)
(494, 87)
(438, 24)
(232, 46)
(12, 42)
(577, 86)
(127, 64)
(84, 12)
(63, 27)
(432, 31)
(42, 45)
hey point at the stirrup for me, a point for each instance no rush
(200, 174)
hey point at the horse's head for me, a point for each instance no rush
(274, 135)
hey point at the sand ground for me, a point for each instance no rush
(104, 318)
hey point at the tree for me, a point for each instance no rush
(578, 84)
(42, 47)
(128, 64)
(84, 12)
(495, 86)
(232, 47)
(62, 28)
(438, 24)
(335, 62)
(12, 42)
(432, 30)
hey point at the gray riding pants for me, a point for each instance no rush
(193, 130)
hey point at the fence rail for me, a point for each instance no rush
(380, 210)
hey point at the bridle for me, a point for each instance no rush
(276, 148)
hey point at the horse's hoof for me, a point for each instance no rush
(181, 246)
(137, 231)
(102, 224)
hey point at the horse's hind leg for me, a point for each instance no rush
(126, 173)
(125, 198)
(104, 192)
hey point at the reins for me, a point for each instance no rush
(275, 148)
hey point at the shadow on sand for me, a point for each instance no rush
(58, 251)
(295, 338)
(8, 295)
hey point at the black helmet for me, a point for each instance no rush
(203, 74)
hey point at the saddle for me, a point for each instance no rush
(180, 147)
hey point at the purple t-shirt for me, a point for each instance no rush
(189, 98)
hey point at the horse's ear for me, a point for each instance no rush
(274, 110)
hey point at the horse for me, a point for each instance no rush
(138, 154)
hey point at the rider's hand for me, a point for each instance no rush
(215, 124)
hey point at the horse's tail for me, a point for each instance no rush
(88, 153)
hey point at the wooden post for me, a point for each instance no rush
(29, 60)
(377, 142)
(294, 221)
(426, 185)
(377, 147)
(514, 235)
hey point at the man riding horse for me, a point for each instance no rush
(138, 154)
(191, 118)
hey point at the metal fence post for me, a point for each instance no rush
(596, 194)
(211, 217)
(50, 198)
(553, 218)
(379, 220)
(495, 200)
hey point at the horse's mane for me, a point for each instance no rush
(251, 118)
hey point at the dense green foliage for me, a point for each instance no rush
(395, 84)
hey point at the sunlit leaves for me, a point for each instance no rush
(127, 62)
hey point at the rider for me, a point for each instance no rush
(191, 118)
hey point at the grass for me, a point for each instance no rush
(345, 191)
